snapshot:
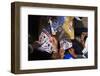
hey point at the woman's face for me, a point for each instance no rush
(83, 35)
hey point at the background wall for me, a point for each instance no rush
(5, 38)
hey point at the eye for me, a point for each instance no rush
(48, 44)
(44, 36)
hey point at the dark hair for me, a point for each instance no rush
(78, 31)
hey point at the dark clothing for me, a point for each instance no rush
(77, 47)
(39, 55)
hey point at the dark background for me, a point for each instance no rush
(33, 27)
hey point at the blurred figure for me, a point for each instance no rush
(85, 50)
